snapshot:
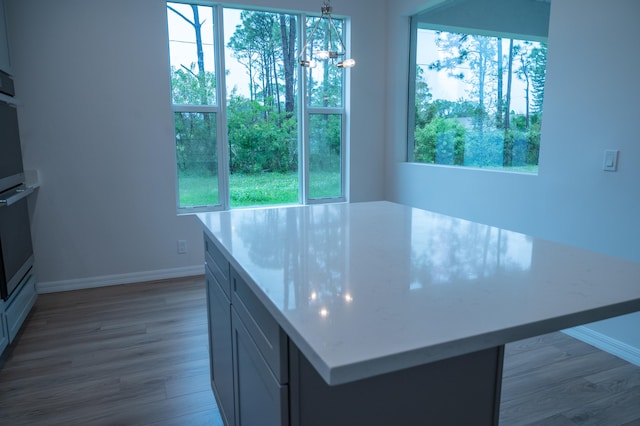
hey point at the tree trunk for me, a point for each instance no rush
(508, 138)
(200, 53)
(507, 121)
(289, 59)
(266, 78)
(499, 107)
(525, 74)
(275, 80)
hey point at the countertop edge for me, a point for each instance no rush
(394, 362)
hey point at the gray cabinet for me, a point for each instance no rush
(247, 349)
(220, 341)
(5, 62)
(219, 314)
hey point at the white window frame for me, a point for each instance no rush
(304, 112)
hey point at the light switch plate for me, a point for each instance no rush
(610, 163)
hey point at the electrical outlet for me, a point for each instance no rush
(182, 246)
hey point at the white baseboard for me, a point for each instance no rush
(603, 342)
(108, 280)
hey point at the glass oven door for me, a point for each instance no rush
(16, 249)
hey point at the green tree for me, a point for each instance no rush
(423, 98)
(507, 157)
(478, 53)
(539, 66)
(533, 62)
(262, 130)
(524, 73)
(265, 44)
(253, 45)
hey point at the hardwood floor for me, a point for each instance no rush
(137, 355)
(556, 380)
(123, 355)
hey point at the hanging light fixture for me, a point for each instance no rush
(336, 52)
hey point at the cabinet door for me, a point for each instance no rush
(260, 399)
(263, 328)
(5, 63)
(220, 348)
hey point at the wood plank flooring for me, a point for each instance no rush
(124, 355)
(137, 355)
(556, 380)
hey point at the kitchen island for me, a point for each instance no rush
(381, 314)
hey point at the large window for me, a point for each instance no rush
(261, 132)
(478, 87)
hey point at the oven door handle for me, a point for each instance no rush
(15, 196)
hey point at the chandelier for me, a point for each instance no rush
(336, 51)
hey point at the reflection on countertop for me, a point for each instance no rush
(317, 256)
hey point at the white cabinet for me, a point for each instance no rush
(5, 61)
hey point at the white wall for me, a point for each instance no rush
(96, 122)
(591, 104)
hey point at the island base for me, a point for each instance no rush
(463, 390)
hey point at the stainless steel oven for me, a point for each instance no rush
(16, 249)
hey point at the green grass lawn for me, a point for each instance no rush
(263, 189)
(259, 189)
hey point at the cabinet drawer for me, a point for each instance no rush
(270, 339)
(218, 265)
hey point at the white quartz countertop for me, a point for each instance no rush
(369, 288)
